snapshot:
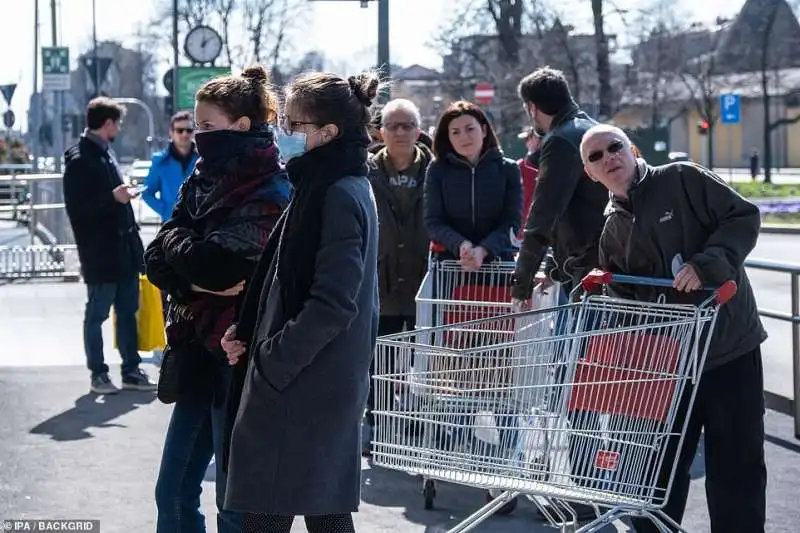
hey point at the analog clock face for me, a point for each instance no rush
(203, 44)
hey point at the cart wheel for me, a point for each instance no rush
(506, 509)
(429, 493)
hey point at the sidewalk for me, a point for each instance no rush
(67, 454)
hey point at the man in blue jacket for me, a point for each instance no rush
(171, 167)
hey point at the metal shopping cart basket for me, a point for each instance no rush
(574, 403)
(450, 295)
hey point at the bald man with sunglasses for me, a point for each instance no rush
(682, 221)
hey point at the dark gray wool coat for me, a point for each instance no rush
(295, 447)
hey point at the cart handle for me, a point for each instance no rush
(722, 293)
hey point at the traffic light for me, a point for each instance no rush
(169, 106)
(702, 127)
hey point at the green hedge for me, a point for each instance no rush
(765, 190)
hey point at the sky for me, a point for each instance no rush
(413, 24)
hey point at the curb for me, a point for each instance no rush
(779, 229)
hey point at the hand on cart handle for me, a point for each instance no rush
(722, 293)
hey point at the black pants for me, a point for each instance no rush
(729, 406)
(386, 326)
(335, 523)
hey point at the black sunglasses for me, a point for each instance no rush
(183, 130)
(613, 148)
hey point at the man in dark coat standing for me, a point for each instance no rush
(567, 209)
(110, 249)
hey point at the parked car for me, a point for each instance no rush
(138, 171)
(678, 156)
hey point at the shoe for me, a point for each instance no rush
(138, 380)
(101, 384)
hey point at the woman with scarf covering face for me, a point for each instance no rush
(307, 332)
(203, 258)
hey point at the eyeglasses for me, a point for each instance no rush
(181, 131)
(405, 126)
(289, 126)
(613, 148)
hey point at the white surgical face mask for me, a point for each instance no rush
(290, 146)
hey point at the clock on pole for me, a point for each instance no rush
(203, 45)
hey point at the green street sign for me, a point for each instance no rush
(55, 60)
(55, 68)
(190, 79)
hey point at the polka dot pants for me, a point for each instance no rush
(336, 523)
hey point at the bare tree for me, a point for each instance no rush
(266, 26)
(267, 23)
(773, 53)
(605, 94)
(225, 10)
(703, 78)
(497, 41)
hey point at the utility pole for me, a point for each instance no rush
(94, 49)
(383, 45)
(37, 123)
(58, 97)
(175, 56)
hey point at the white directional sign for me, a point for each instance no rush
(55, 68)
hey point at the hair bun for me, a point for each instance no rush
(365, 87)
(255, 73)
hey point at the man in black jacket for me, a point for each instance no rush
(682, 221)
(567, 216)
(109, 246)
(567, 209)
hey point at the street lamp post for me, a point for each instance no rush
(175, 57)
(384, 65)
(94, 49)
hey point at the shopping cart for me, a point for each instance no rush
(450, 295)
(574, 403)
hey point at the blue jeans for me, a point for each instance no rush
(195, 435)
(124, 296)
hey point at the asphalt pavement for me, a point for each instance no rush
(67, 454)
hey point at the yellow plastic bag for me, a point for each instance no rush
(149, 318)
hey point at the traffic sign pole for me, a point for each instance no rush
(730, 107)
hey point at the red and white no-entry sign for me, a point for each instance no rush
(484, 93)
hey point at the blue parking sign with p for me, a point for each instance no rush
(730, 106)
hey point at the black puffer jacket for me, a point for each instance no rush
(480, 204)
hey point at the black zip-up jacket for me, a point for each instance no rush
(105, 230)
(567, 209)
(685, 209)
(480, 204)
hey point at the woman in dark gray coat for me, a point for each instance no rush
(310, 324)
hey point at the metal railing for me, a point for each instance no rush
(789, 406)
(37, 201)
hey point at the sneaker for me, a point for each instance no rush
(101, 384)
(138, 380)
